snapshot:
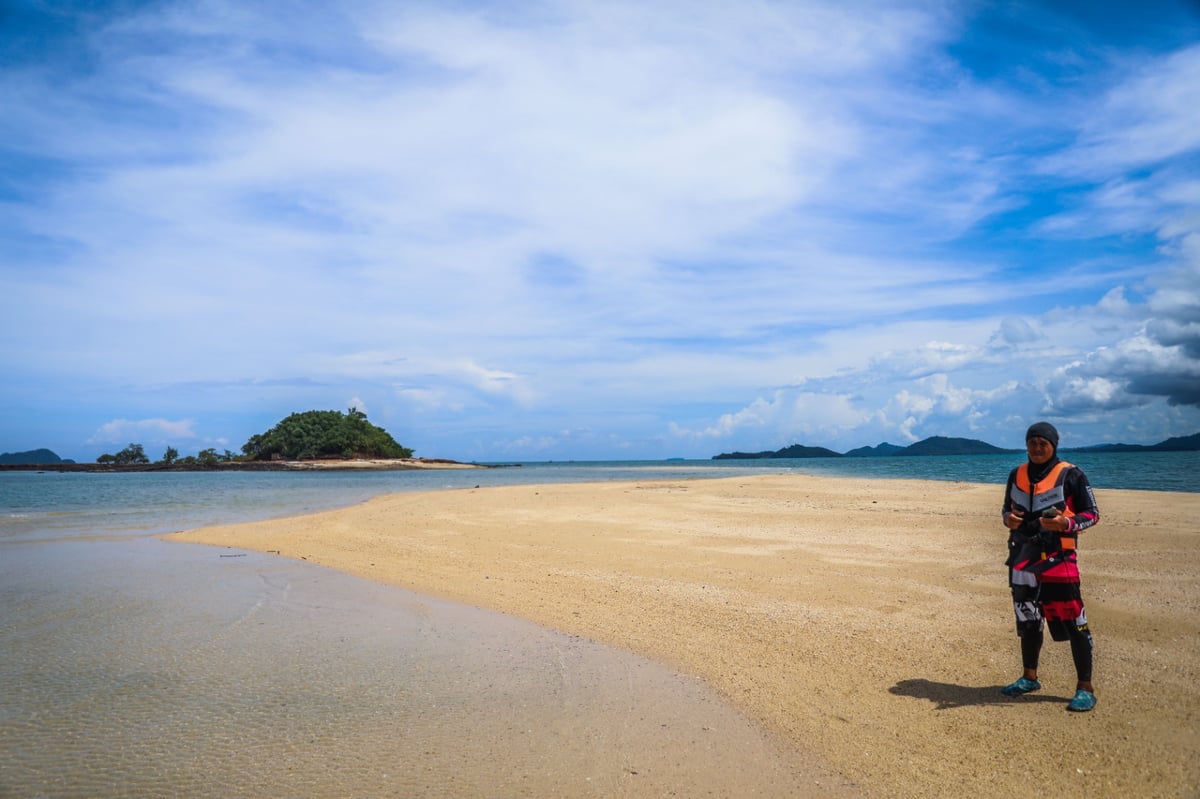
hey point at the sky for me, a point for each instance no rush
(583, 230)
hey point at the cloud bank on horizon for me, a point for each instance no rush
(569, 229)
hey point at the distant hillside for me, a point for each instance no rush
(938, 445)
(31, 458)
(794, 451)
(1178, 444)
(879, 451)
(942, 445)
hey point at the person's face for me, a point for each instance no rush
(1040, 450)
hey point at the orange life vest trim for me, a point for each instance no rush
(1051, 476)
(1052, 479)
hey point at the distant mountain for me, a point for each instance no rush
(879, 451)
(794, 451)
(31, 458)
(1178, 444)
(938, 445)
(798, 451)
(941, 445)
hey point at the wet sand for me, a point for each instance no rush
(137, 668)
(866, 622)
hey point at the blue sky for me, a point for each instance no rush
(592, 230)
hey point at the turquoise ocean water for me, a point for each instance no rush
(48, 505)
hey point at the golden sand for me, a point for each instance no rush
(865, 621)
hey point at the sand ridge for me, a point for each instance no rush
(865, 621)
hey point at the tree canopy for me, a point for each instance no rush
(324, 434)
(134, 453)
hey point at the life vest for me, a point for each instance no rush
(1056, 562)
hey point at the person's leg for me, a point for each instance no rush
(1029, 627)
(1081, 653)
(1031, 650)
(1067, 621)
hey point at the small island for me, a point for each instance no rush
(302, 441)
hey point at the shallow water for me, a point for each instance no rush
(45, 505)
(41, 505)
(145, 668)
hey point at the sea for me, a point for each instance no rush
(135, 667)
(39, 505)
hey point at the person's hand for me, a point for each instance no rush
(1056, 523)
(1013, 519)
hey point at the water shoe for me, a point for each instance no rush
(1024, 686)
(1082, 702)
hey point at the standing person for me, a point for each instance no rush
(1047, 503)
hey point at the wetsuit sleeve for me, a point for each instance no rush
(1007, 506)
(1082, 500)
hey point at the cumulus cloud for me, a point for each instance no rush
(939, 402)
(1175, 303)
(792, 412)
(1127, 375)
(1072, 391)
(1144, 366)
(1161, 359)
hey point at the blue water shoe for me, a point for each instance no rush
(1024, 686)
(1082, 702)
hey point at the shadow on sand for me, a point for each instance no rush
(947, 696)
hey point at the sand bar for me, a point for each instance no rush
(865, 621)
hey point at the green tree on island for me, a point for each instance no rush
(324, 434)
(134, 453)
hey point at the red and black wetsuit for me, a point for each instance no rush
(1043, 566)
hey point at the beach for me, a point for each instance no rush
(866, 624)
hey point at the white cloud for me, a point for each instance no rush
(1114, 303)
(790, 413)
(1148, 118)
(496, 382)
(930, 358)
(615, 226)
(937, 400)
(1015, 330)
(154, 431)
(1071, 394)
(426, 400)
